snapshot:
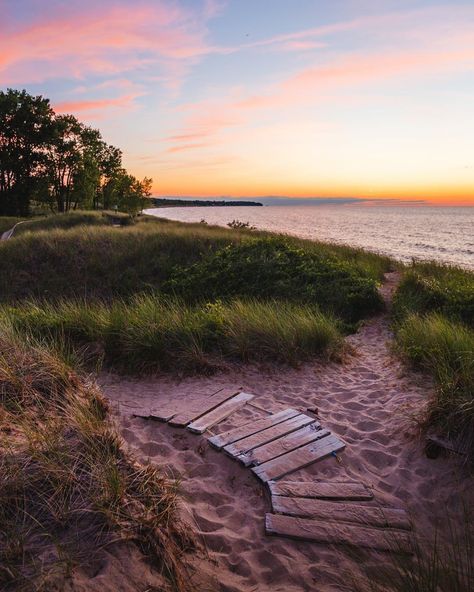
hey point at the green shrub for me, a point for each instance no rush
(273, 268)
(446, 350)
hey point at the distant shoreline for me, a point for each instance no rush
(198, 203)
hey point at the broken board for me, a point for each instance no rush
(298, 459)
(282, 445)
(285, 427)
(342, 490)
(248, 429)
(210, 419)
(337, 533)
(201, 407)
(339, 511)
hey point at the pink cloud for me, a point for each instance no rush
(102, 40)
(321, 83)
(126, 101)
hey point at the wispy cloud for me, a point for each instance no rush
(94, 107)
(106, 39)
(351, 70)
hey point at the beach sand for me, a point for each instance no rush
(370, 401)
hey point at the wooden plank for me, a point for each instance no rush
(167, 412)
(201, 407)
(285, 427)
(248, 429)
(343, 490)
(282, 445)
(336, 533)
(298, 459)
(205, 422)
(324, 510)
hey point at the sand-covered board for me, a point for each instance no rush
(342, 512)
(298, 459)
(260, 438)
(337, 490)
(248, 429)
(218, 414)
(201, 407)
(337, 533)
(282, 445)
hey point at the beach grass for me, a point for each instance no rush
(155, 333)
(68, 489)
(434, 324)
(445, 349)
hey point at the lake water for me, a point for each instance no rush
(429, 233)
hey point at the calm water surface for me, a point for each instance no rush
(440, 234)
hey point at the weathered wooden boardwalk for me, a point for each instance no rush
(285, 442)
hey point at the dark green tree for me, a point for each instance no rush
(26, 124)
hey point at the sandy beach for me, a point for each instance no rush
(370, 401)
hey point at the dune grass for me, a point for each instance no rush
(434, 323)
(431, 287)
(153, 333)
(445, 349)
(93, 260)
(67, 488)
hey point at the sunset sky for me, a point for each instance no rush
(364, 98)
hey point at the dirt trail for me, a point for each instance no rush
(368, 401)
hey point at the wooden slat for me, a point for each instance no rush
(248, 429)
(205, 422)
(198, 408)
(285, 427)
(324, 510)
(349, 490)
(298, 459)
(336, 533)
(282, 445)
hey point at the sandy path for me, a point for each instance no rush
(367, 401)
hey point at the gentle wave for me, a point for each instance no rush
(405, 233)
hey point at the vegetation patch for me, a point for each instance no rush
(151, 333)
(68, 490)
(271, 268)
(430, 287)
(434, 323)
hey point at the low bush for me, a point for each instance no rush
(273, 268)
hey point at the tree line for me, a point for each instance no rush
(55, 161)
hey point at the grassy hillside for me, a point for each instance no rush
(160, 295)
(88, 259)
(434, 321)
